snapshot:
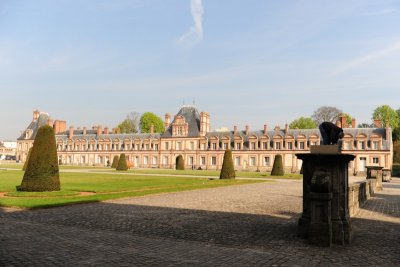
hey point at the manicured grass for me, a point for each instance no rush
(106, 186)
(62, 167)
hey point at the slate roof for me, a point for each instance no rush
(35, 125)
(306, 132)
(91, 134)
(192, 117)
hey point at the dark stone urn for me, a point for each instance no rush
(325, 218)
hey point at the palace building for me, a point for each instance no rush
(189, 134)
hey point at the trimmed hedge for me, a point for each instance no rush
(42, 172)
(122, 164)
(227, 170)
(277, 169)
(115, 162)
(179, 163)
(27, 160)
(396, 170)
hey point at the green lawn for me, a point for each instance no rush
(105, 186)
(62, 167)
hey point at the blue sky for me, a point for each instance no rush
(245, 62)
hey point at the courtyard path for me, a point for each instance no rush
(247, 225)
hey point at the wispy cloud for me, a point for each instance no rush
(372, 56)
(195, 33)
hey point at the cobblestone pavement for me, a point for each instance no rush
(247, 225)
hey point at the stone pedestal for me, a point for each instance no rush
(325, 218)
(375, 172)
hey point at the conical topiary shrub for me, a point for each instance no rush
(227, 170)
(122, 165)
(180, 163)
(42, 173)
(27, 159)
(277, 169)
(114, 164)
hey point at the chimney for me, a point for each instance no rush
(71, 132)
(167, 121)
(265, 128)
(247, 129)
(106, 130)
(234, 129)
(59, 126)
(152, 129)
(84, 130)
(99, 128)
(353, 123)
(286, 128)
(377, 123)
(388, 131)
(204, 123)
(36, 114)
(342, 119)
(277, 128)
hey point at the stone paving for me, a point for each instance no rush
(247, 225)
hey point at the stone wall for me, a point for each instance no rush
(359, 193)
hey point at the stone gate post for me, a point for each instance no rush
(325, 218)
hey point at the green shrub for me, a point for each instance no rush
(42, 172)
(115, 162)
(277, 169)
(396, 170)
(27, 159)
(180, 163)
(227, 170)
(122, 165)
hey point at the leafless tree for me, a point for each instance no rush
(326, 113)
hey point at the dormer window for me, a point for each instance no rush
(180, 127)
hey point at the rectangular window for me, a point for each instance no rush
(213, 161)
(265, 145)
(155, 160)
(301, 145)
(165, 160)
(203, 146)
(266, 161)
(145, 160)
(191, 160)
(375, 160)
(252, 161)
(191, 145)
(237, 146)
(361, 145)
(147, 146)
(225, 146)
(214, 146)
(179, 146)
(375, 145)
(203, 161)
(166, 146)
(253, 145)
(289, 145)
(237, 161)
(277, 145)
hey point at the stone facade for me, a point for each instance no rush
(189, 135)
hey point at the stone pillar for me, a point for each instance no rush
(325, 218)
